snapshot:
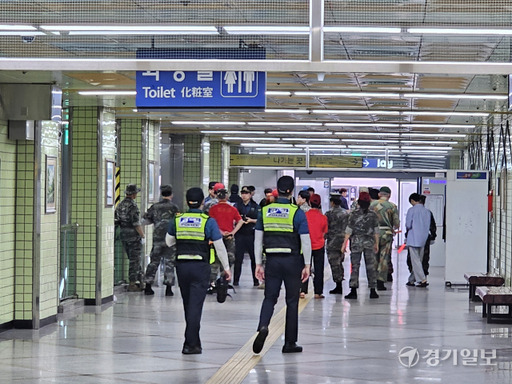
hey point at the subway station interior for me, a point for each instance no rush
(95, 95)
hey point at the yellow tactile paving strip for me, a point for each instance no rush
(238, 367)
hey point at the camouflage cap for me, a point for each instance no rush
(385, 190)
(131, 189)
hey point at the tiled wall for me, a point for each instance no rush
(7, 230)
(216, 173)
(84, 127)
(109, 150)
(89, 204)
(192, 172)
(49, 244)
(24, 228)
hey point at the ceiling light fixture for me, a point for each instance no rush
(235, 138)
(284, 123)
(132, 29)
(433, 113)
(302, 111)
(266, 145)
(354, 112)
(395, 95)
(309, 139)
(460, 31)
(206, 122)
(107, 93)
(337, 29)
(326, 133)
(234, 132)
(266, 30)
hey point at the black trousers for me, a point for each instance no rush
(244, 243)
(279, 269)
(318, 259)
(193, 279)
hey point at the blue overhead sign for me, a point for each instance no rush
(212, 90)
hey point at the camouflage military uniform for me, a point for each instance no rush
(160, 214)
(387, 214)
(337, 219)
(362, 228)
(127, 216)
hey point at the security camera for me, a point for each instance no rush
(28, 39)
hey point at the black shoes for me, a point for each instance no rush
(147, 290)
(257, 346)
(423, 284)
(390, 277)
(381, 286)
(373, 294)
(338, 290)
(352, 294)
(168, 291)
(187, 350)
(291, 348)
(410, 284)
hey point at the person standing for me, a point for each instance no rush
(281, 231)
(317, 223)
(337, 220)
(303, 200)
(244, 238)
(417, 224)
(229, 222)
(389, 222)
(363, 232)
(127, 217)
(343, 198)
(268, 197)
(191, 232)
(211, 192)
(160, 214)
(234, 197)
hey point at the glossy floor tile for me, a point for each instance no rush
(408, 335)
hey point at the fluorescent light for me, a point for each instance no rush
(287, 124)
(227, 138)
(319, 146)
(335, 29)
(278, 93)
(377, 140)
(306, 111)
(16, 27)
(266, 30)
(206, 122)
(327, 133)
(266, 145)
(434, 134)
(107, 93)
(234, 132)
(309, 139)
(420, 151)
(396, 95)
(354, 112)
(454, 96)
(346, 94)
(419, 147)
(460, 31)
(376, 125)
(22, 33)
(133, 29)
(392, 134)
(275, 151)
(256, 150)
(428, 113)
(434, 142)
(376, 147)
(458, 126)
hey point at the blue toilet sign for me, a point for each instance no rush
(205, 90)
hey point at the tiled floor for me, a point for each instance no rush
(138, 339)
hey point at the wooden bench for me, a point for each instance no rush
(492, 298)
(476, 279)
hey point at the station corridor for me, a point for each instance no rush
(138, 339)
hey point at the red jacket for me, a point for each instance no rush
(317, 223)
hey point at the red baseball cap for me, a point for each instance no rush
(218, 187)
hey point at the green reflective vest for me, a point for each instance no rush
(278, 234)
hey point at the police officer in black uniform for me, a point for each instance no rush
(282, 231)
(191, 232)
